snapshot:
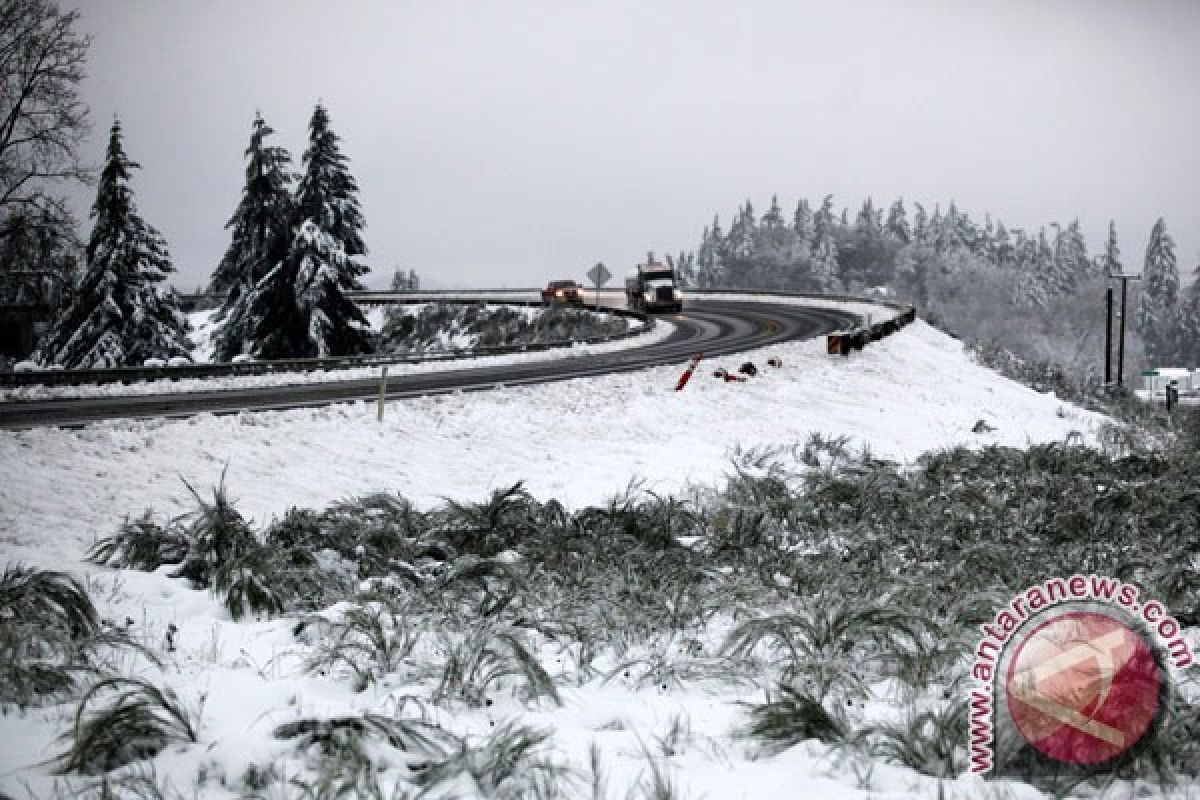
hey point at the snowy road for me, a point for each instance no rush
(716, 327)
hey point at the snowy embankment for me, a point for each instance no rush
(580, 441)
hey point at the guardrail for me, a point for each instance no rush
(75, 377)
(842, 342)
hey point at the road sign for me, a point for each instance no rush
(599, 275)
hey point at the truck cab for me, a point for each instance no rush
(653, 287)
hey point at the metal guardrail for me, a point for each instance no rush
(126, 375)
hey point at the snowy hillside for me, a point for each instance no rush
(581, 442)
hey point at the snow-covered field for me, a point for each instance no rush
(579, 441)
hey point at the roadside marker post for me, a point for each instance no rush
(687, 373)
(382, 391)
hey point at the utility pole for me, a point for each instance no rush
(1124, 279)
(1108, 300)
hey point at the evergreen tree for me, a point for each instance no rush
(897, 223)
(738, 249)
(773, 219)
(802, 223)
(1002, 250)
(119, 316)
(262, 221)
(1112, 253)
(825, 265)
(708, 257)
(920, 225)
(327, 195)
(1070, 253)
(1187, 325)
(1159, 294)
(823, 222)
(298, 308)
(261, 232)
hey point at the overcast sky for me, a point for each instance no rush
(506, 143)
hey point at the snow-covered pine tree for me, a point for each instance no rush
(738, 249)
(802, 223)
(1070, 251)
(261, 222)
(773, 219)
(920, 233)
(897, 223)
(118, 315)
(1061, 271)
(1002, 251)
(1159, 293)
(328, 195)
(825, 264)
(1187, 325)
(1112, 253)
(707, 256)
(824, 224)
(336, 325)
(261, 232)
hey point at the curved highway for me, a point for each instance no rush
(712, 326)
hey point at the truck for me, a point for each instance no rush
(652, 287)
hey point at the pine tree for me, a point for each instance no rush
(261, 223)
(336, 325)
(1159, 294)
(920, 225)
(1002, 250)
(261, 232)
(823, 221)
(708, 257)
(1187, 325)
(1112, 253)
(773, 219)
(119, 316)
(298, 308)
(897, 223)
(327, 195)
(825, 265)
(802, 223)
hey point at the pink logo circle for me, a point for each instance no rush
(1083, 688)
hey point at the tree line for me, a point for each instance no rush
(930, 258)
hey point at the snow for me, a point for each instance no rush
(580, 441)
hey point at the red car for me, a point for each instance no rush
(563, 292)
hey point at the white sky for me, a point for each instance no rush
(506, 143)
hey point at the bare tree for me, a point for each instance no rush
(42, 119)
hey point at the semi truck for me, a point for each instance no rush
(652, 287)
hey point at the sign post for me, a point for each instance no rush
(382, 391)
(599, 275)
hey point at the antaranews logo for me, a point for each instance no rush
(1078, 667)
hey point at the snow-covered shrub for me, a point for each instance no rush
(464, 327)
(792, 716)
(122, 720)
(46, 621)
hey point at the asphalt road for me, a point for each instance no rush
(714, 327)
